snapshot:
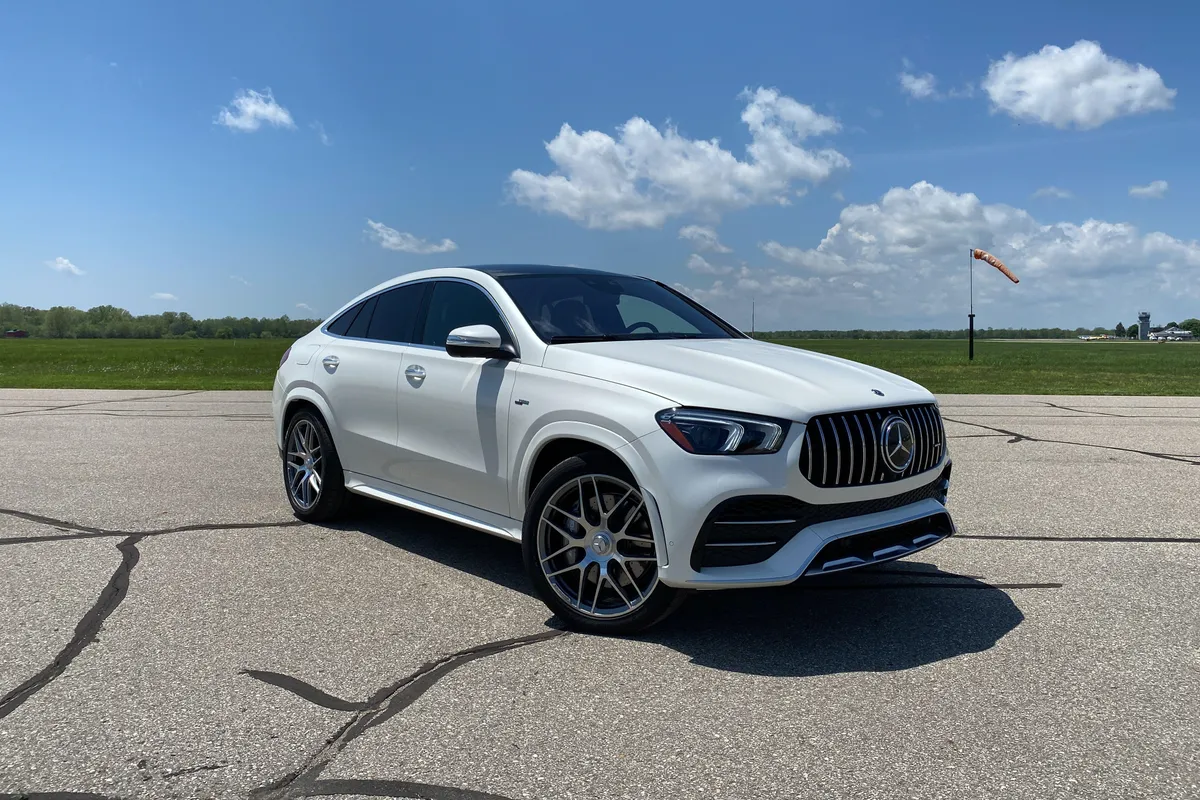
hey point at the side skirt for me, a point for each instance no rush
(433, 506)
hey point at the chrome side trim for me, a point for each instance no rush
(741, 544)
(756, 522)
(430, 510)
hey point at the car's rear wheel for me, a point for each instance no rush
(589, 549)
(312, 472)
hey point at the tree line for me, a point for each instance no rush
(110, 322)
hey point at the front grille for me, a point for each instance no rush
(750, 529)
(844, 449)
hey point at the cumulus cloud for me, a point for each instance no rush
(703, 238)
(645, 175)
(699, 265)
(304, 307)
(61, 264)
(1154, 189)
(163, 296)
(392, 239)
(1053, 191)
(903, 261)
(1080, 86)
(252, 110)
(921, 87)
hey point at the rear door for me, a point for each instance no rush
(359, 371)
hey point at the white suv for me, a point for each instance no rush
(635, 444)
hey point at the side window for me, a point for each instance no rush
(395, 317)
(453, 305)
(358, 328)
(342, 324)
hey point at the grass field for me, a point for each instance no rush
(1000, 367)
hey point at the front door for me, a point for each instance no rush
(453, 431)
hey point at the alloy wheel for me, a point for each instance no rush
(596, 548)
(305, 465)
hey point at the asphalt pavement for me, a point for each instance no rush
(169, 630)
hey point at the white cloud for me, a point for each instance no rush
(921, 87)
(61, 264)
(646, 175)
(703, 238)
(1053, 191)
(239, 279)
(1080, 86)
(392, 239)
(304, 307)
(1154, 189)
(903, 261)
(841, 198)
(697, 264)
(321, 134)
(252, 109)
(163, 296)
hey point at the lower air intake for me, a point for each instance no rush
(884, 544)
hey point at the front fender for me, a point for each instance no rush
(603, 438)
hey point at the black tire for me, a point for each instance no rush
(331, 498)
(661, 600)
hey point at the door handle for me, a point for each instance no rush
(331, 363)
(416, 372)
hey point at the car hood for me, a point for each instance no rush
(738, 374)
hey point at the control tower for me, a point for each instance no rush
(1143, 325)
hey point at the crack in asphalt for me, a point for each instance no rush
(1111, 539)
(1021, 437)
(55, 796)
(1080, 410)
(382, 706)
(101, 402)
(406, 789)
(304, 690)
(193, 770)
(90, 532)
(85, 632)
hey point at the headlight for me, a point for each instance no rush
(720, 433)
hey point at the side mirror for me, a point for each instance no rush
(478, 341)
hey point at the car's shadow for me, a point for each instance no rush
(893, 617)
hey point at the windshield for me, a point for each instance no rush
(585, 308)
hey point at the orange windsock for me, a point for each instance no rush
(984, 255)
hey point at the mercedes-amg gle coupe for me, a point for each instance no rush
(636, 445)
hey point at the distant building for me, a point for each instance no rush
(15, 334)
(1144, 325)
(1172, 335)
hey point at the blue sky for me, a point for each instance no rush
(436, 120)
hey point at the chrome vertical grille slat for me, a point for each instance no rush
(850, 447)
(862, 474)
(837, 448)
(849, 440)
(824, 451)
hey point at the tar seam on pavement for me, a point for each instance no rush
(382, 706)
(1020, 437)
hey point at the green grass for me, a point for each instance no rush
(140, 363)
(1029, 367)
(1000, 367)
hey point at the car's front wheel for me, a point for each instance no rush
(589, 550)
(312, 472)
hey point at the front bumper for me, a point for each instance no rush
(728, 521)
